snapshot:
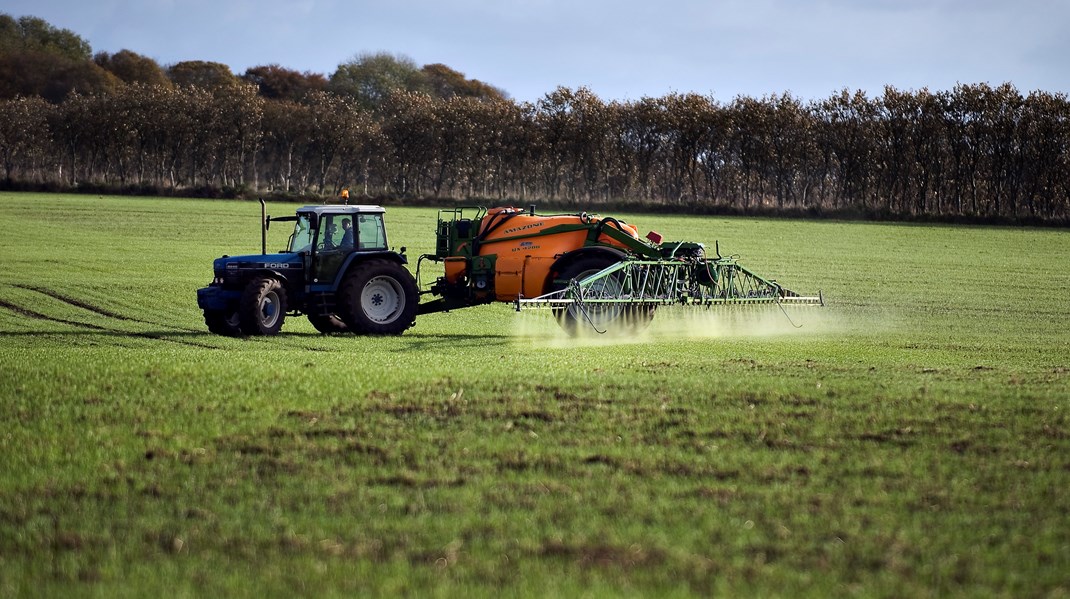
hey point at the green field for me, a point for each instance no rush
(911, 439)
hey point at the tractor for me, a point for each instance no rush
(593, 273)
(337, 270)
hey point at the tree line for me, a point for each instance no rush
(384, 127)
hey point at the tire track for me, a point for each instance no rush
(77, 303)
(162, 337)
(84, 305)
(38, 316)
(28, 313)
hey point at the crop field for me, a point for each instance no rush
(910, 439)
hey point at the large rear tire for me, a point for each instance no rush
(614, 319)
(262, 308)
(378, 297)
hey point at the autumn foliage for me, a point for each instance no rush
(386, 128)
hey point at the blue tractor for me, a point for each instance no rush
(337, 270)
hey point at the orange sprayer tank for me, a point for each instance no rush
(526, 248)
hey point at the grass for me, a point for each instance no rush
(911, 439)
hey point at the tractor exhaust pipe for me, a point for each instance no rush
(263, 227)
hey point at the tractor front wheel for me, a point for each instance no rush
(378, 298)
(263, 307)
(223, 322)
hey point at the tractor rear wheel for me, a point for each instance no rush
(327, 323)
(378, 297)
(614, 319)
(223, 322)
(262, 308)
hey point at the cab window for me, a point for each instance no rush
(301, 239)
(371, 235)
(335, 232)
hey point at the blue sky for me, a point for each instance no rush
(621, 50)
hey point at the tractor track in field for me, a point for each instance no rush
(28, 313)
(163, 337)
(84, 305)
(77, 303)
(38, 316)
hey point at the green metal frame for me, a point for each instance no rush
(668, 282)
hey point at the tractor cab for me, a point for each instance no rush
(326, 236)
(337, 228)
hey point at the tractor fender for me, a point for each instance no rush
(358, 257)
(568, 258)
(269, 272)
(285, 280)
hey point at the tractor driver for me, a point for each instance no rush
(347, 235)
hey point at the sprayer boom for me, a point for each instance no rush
(632, 286)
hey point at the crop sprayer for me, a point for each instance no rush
(592, 273)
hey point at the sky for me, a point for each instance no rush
(620, 50)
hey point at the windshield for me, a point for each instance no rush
(301, 240)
